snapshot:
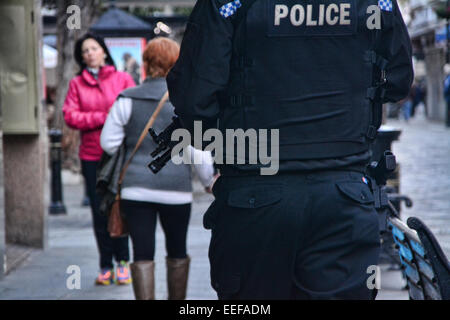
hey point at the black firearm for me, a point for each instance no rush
(379, 172)
(164, 145)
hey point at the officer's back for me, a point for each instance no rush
(310, 69)
(318, 71)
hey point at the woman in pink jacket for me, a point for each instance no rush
(90, 96)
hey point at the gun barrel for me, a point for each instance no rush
(159, 163)
(158, 150)
(164, 142)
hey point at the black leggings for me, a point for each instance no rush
(107, 246)
(141, 219)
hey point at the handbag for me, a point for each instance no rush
(108, 172)
(117, 226)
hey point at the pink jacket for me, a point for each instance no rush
(87, 105)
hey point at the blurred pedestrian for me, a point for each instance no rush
(406, 107)
(423, 88)
(50, 99)
(90, 96)
(144, 196)
(132, 67)
(447, 92)
(417, 96)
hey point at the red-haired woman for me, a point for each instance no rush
(90, 96)
(145, 196)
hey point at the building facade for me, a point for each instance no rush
(429, 39)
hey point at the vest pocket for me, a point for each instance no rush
(356, 191)
(364, 217)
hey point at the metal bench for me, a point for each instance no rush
(423, 263)
(414, 247)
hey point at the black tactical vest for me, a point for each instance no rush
(306, 68)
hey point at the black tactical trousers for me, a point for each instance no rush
(293, 236)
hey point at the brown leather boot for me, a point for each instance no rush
(143, 273)
(177, 277)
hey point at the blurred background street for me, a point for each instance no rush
(37, 247)
(423, 153)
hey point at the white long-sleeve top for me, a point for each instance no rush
(112, 137)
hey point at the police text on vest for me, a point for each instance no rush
(332, 14)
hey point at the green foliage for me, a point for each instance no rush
(183, 11)
(442, 9)
(143, 11)
(148, 11)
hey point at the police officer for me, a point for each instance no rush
(318, 71)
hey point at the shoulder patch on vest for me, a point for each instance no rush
(229, 9)
(385, 5)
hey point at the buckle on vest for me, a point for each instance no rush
(376, 93)
(383, 77)
(235, 101)
(374, 58)
(372, 93)
(381, 62)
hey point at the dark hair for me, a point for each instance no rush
(79, 55)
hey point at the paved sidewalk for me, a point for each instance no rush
(71, 242)
(423, 151)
